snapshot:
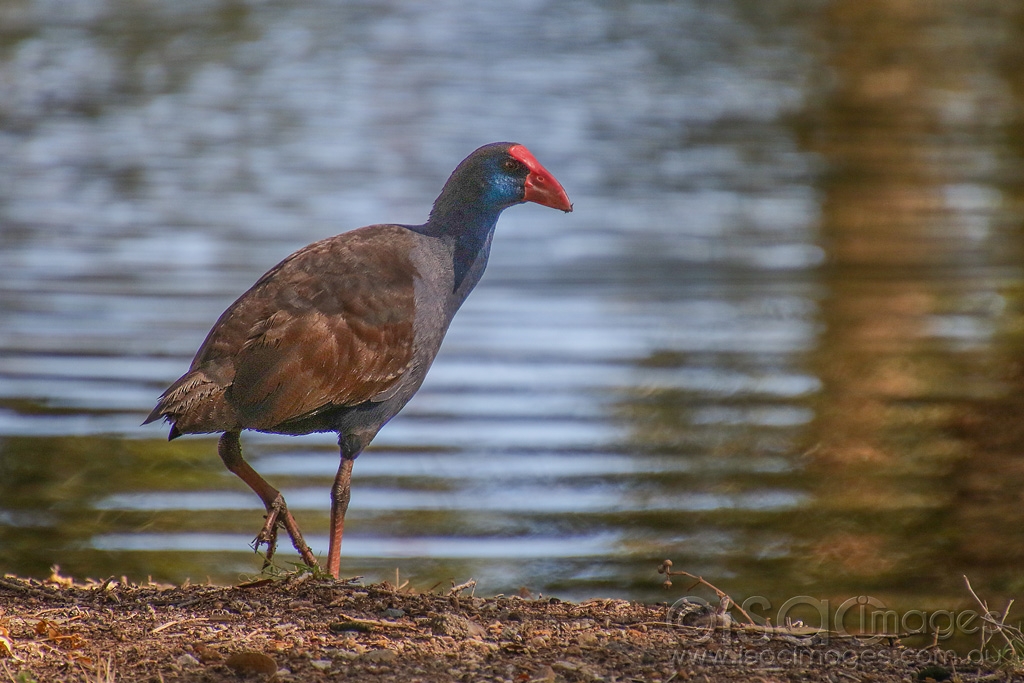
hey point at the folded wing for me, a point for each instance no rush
(330, 326)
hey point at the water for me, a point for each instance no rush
(779, 340)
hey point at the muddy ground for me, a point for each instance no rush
(307, 628)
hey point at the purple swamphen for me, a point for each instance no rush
(339, 335)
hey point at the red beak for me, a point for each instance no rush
(541, 186)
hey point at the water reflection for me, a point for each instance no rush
(778, 341)
(917, 240)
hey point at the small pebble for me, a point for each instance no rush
(186, 660)
(248, 662)
(207, 654)
(379, 656)
(544, 674)
(450, 625)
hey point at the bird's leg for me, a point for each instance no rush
(340, 494)
(230, 450)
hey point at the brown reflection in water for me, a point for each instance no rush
(988, 503)
(914, 220)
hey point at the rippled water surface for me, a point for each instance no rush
(778, 341)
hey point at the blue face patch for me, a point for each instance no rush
(504, 188)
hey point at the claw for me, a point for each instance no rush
(279, 516)
(268, 534)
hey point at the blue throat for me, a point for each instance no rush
(468, 228)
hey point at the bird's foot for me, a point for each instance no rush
(279, 516)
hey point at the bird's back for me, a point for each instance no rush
(331, 327)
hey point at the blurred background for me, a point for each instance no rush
(780, 341)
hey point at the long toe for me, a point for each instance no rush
(279, 515)
(268, 536)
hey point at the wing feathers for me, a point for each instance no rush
(330, 326)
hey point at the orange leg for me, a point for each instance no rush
(340, 494)
(230, 451)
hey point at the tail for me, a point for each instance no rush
(195, 404)
(157, 413)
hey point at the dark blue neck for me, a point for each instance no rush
(467, 229)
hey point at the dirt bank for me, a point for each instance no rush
(305, 628)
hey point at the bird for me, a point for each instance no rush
(339, 336)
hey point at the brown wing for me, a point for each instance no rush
(331, 325)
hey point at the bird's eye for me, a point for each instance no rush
(511, 165)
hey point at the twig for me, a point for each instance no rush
(723, 597)
(15, 585)
(463, 586)
(399, 586)
(1013, 636)
(374, 622)
(8, 672)
(176, 622)
(984, 608)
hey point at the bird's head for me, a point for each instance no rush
(500, 175)
(516, 176)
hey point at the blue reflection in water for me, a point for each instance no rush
(538, 498)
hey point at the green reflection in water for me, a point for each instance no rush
(50, 486)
